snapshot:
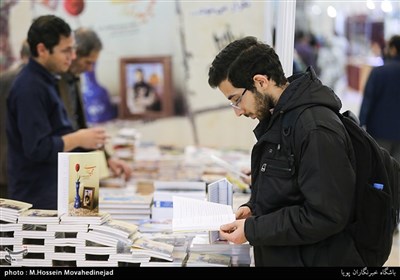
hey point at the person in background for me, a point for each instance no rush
(292, 218)
(88, 47)
(379, 112)
(6, 80)
(37, 126)
(306, 47)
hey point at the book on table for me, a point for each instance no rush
(78, 183)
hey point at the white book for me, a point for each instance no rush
(90, 263)
(39, 216)
(153, 248)
(208, 260)
(96, 250)
(35, 262)
(116, 227)
(10, 227)
(129, 258)
(78, 183)
(220, 191)
(196, 215)
(13, 206)
(67, 228)
(100, 218)
(62, 256)
(106, 239)
(124, 200)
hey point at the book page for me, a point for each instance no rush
(197, 215)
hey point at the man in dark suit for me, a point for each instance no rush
(6, 80)
(380, 106)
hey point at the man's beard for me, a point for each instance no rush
(264, 104)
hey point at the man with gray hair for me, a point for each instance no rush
(88, 47)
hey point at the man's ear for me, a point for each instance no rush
(260, 82)
(41, 49)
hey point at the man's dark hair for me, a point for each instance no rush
(395, 42)
(87, 41)
(218, 71)
(48, 30)
(258, 59)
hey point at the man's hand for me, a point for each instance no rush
(119, 167)
(233, 232)
(243, 213)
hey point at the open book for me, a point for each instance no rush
(197, 215)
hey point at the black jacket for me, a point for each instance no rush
(300, 211)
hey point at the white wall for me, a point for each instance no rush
(154, 28)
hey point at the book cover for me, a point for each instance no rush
(116, 227)
(39, 216)
(220, 191)
(13, 206)
(78, 183)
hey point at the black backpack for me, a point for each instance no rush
(376, 205)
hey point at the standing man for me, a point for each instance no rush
(379, 111)
(88, 47)
(299, 206)
(6, 80)
(37, 123)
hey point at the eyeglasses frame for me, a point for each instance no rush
(236, 104)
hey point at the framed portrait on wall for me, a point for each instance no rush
(146, 87)
(88, 197)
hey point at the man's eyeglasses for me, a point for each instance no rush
(235, 105)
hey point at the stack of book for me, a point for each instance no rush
(162, 208)
(125, 142)
(180, 242)
(66, 242)
(239, 253)
(98, 219)
(125, 205)
(105, 243)
(8, 243)
(35, 236)
(197, 259)
(127, 233)
(152, 249)
(10, 210)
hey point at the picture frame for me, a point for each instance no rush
(88, 198)
(146, 87)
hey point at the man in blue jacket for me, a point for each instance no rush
(380, 112)
(37, 123)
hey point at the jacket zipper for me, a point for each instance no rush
(265, 166)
